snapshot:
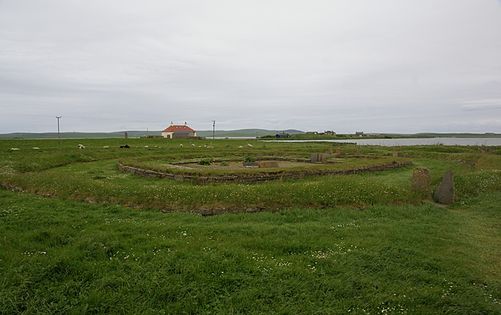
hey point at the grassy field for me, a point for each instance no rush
(77, 235)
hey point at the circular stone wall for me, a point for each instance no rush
(263, 170)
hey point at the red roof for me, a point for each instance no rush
(178, 128)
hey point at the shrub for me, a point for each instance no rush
(207, 161)
(249, 159)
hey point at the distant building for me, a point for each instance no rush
(359, 133)
(178, 131)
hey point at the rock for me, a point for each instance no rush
(421, 181)
(267, 164)
(250, 164)
(319, 157)
(444, 193)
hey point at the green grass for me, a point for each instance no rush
(60, 256)
(86, 238)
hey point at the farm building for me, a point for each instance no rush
(178, 131)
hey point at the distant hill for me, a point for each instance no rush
(74, 135)
(236, 133)
(136, 134)
(246, 132)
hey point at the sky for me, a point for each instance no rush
(345, 65)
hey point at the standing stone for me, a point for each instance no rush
(421, 181)
(444, 193)
(319, 157)
(315, 158)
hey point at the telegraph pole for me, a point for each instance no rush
(58, 130)
(213, 129)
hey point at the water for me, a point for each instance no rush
(412, 141)
(231, 138)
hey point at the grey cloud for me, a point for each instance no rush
(483, 104)
(387, 66)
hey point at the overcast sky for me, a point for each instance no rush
(343, 65)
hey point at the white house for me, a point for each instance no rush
(178, 131)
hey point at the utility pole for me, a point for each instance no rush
(58, 130)
(213, 129)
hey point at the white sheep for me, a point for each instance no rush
(36, 148)
(106, 147)
(181, 145)
(249, 145)
(81, 146)
(14, 149)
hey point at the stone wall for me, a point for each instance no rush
(258, 176)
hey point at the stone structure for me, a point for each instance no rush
(258, 176)
(421, 181)
(319, 157)
(444, 193)
(267, 164)
(250, 164)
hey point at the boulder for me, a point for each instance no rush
(267, 164)
(421, 181)
(319, 157)
(444, 193)
(250, 164)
